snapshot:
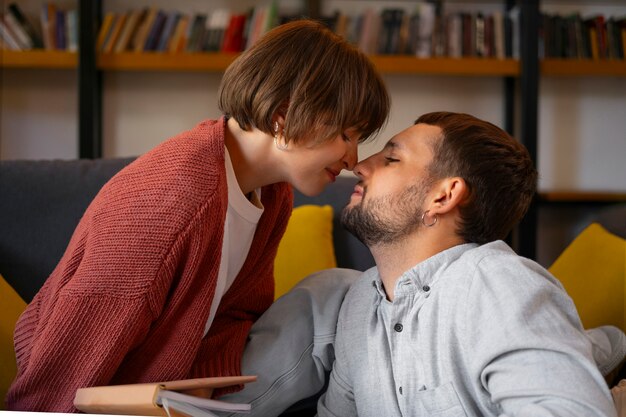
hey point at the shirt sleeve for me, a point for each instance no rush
(338, 400)
(531, 353)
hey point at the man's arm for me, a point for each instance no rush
(338, 400)
(533, 357)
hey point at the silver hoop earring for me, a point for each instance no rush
(279, 146)
(430, 224)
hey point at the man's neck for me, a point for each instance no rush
(394, 259)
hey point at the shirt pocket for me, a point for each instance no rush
(441, 401)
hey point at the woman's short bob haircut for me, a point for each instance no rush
(319, 83)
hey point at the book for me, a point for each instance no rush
(171, 20)
(60, 40)
(178, 41)
(216, 26)
(115, 33)
(154, 34)
(233, 37)
(128, 30)
(498, 35)
(26, 25)
(48, 25)
(455, 36)
(196, 35)
(71, 29)
(425, 30)
(8, 38)
(19, 34)
(141, 36)
(189, 396)
(105, 30)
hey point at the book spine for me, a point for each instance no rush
(197, 29)
(72, 31)
(156, 31)
(19, 33)
(26, 25)
(139, 43)
(177, 42)
(60, 30)
(8, 37)
(168, 29)
(479, 38)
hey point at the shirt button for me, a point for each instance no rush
(398, 327)
(426, 288)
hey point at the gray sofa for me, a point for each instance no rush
(41, 203)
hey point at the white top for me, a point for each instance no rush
(242, 217)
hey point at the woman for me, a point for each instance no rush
(171, 263)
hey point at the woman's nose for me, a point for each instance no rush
(351, 157)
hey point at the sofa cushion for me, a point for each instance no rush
(593, 271)
(350, 252)
(12, 307)
(41, 205)
(306, 246)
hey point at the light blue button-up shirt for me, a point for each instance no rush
(472, 331)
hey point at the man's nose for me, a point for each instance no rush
(363, 168)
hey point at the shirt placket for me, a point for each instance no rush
(397, 322)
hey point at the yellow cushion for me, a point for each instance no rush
(12, 307)
(306, 247)
(593, 271)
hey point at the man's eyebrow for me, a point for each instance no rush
(391, 145)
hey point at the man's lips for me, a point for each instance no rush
(358, 190)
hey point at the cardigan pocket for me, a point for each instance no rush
(441, 401)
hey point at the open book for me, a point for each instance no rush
(188, 397)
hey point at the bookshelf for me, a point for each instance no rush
(582, 197)
(154, 61)
(38, 59)
(386, 64)
(582, 68)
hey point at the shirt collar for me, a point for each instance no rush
(423, 276)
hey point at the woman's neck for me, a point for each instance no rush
(253, 157)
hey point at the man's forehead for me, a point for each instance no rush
(414, 137)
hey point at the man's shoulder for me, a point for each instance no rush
(362, 291)
(495, 264)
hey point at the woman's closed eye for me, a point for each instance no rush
(389, 160)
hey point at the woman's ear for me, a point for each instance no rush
(449, 194)
(280, 113)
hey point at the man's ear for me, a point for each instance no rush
(449, 193)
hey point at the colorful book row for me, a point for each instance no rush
(427, 32)
(57, 29)
(158, 30)
(573, 36)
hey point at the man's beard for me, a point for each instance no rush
(386, 219)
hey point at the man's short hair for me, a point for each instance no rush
(497, 169)
(313, 77)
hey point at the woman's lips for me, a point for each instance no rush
(332, 174)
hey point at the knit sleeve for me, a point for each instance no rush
(82, 343)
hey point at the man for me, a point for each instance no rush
(452, 322)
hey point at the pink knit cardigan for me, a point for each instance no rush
(129, 299)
